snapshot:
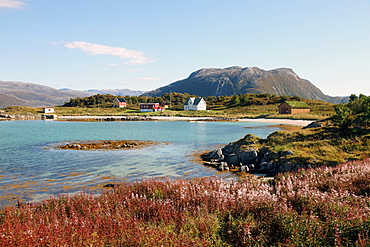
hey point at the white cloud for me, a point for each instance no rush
(147, 79)
(134, 70)
(13, 4)
(133, 57)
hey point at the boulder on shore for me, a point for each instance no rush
(248, 155)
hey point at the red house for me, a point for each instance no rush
(150, 107)
(119, 102)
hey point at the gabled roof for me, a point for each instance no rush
(193, 101)
(189, 101)
(297, 104)
(197, 101)
(121, 99)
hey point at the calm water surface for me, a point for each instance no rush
(30, 170)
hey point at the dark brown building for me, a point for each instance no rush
(293, 107)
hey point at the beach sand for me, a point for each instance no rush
(165, 118)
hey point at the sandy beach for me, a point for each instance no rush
(165, 118)
(279, 121)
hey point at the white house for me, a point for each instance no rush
(195, 104)
(48, 110)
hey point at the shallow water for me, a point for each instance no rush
(30, 170)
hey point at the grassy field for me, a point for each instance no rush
(320, 111)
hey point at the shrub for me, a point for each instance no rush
(316, 207)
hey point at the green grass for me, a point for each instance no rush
(224, 112)
(326, 146)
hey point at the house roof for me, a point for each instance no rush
(197, 101)
(193, 101)
(189, 101)
(121, 99)
(297, 104)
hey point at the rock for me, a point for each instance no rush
(233, 159)
(108, 186)
(222, 166)
(251, 168)
(314, 125)
(269, 166)
(248, 157)
(263, 166)
(244, 168)
(228, 149)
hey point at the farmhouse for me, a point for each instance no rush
(119, 102)
(150, 107)
(293, 107)
(195, 104)
(48, 110)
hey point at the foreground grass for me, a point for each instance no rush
(317, 207)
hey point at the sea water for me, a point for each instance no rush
(30, 169)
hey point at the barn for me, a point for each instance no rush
(293, 107)
(119, 102)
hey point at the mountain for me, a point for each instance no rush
(122, 92)
(35, 95)
(238, 80)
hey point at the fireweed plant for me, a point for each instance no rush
(327, 206)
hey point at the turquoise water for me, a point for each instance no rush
(31, 170)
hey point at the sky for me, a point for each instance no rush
(147, 44)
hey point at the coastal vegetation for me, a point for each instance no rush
(328, 142)
(327, 206)
(345, 136)
(236, 106)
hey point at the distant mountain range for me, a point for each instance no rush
(122, 92)
(204, 82)
(238, 80)
(35, 95)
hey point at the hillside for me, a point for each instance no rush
(122, 92)
(35, 95)
(237, 80)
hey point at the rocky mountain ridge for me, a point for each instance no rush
(238, 80)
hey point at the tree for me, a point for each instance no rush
(355, 113)
(245, 99)
(343, 117)
(284, 98)
(235, 100)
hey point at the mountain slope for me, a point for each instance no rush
(122, 92)
(35, 95)
(237, 80)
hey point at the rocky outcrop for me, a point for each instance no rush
(4, 116)
(248, 155)
(106, 145)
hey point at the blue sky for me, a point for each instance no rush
(145, 44)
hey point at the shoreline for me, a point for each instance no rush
(165, 118)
